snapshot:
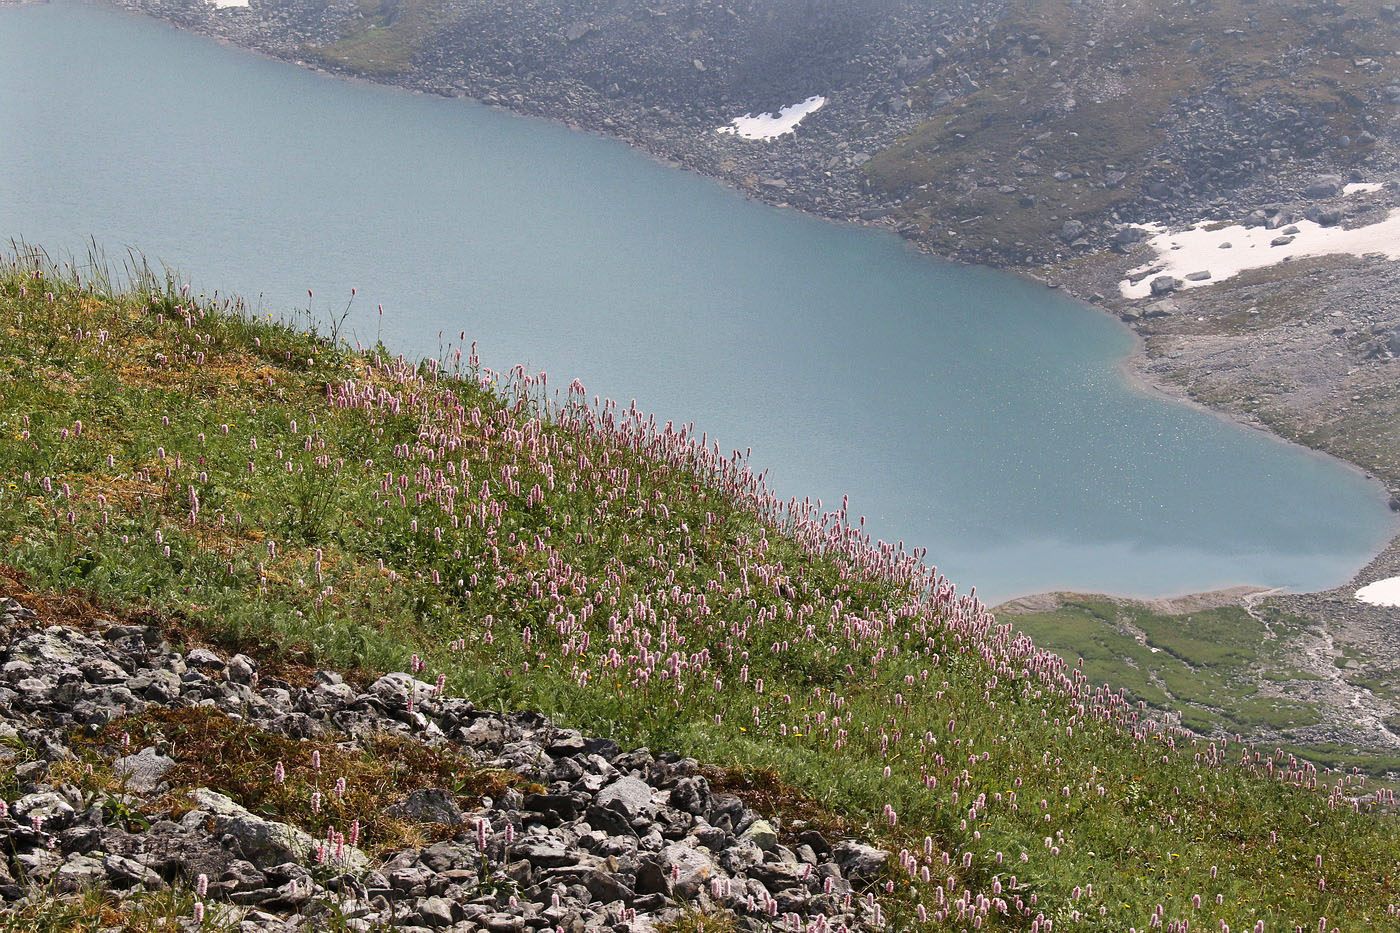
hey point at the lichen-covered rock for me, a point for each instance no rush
(141, 773)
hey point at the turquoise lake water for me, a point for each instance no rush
(963, 410)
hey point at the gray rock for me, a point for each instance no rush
(1124, 237)
(204, 659)
(691, 795)
(102, 671)
(631, 795)
(566, 742)
(123, 872)
(1070, 230)
(544, 854)
(155, 685)
(428, 805)
(859, 861)
(438, 912)
(689, 869)
(142, 773)
(1201, 276)
(1281, 241)
(262, 842)
(603, 885)
(241, 669)
(1164, 285)
(446, 856)
(485, 733)
(50, 808)
(394, 690)
(79, 872)
(1323, 186)
(761, 834)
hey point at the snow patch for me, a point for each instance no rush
(1199, 249)
(1381, 593)
(1362, 187)
(770, 125)
(225, 4)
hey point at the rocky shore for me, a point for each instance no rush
(571, 833)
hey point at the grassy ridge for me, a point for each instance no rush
(540, 549)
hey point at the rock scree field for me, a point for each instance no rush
(301, 522)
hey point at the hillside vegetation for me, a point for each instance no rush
(257, 483)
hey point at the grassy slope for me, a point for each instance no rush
(1206, 665)
(384, 39)
(161, 453)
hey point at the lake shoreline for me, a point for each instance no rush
(1088, 278)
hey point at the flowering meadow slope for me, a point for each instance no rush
(539, 548)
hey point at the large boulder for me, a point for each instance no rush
(630, 796)
(263, 842)
(859, 861)
(142, 773)
(1324, 186)
(1164, 285)
(47, 807)
(428, 805)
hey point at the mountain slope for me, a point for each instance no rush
(546, 551)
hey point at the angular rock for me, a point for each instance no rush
(691, 795)
(859, 861)
(49, 808)
(428, 805)
(1071, 230)
(241, 669)
(689, 869)
(439, 912)
(204, 659)
(1323, 186)
(142, 773)
(123, 872)
(761, 834)
(1164, 285)
(262, 842)
(632, 796)
(79, 872)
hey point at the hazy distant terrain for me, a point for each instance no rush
(980, 128)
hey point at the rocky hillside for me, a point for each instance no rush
(151, 786)
(1015, 132)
